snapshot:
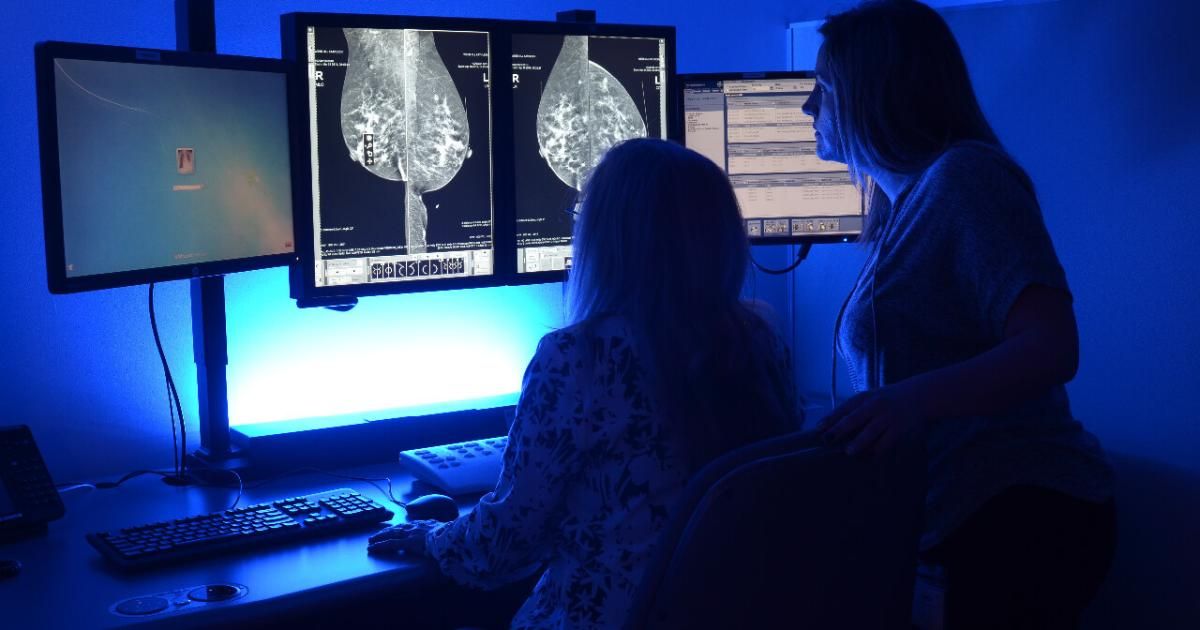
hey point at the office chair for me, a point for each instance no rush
(788, 533)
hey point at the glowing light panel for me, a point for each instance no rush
(434, 352)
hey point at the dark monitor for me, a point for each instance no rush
(574, 97)
(752, 125)
(422, 173)
(160, 165)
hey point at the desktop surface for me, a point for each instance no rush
(66, 583)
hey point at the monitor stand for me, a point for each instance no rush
(195, 31)
(210, 345)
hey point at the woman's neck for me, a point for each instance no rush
(890, 182)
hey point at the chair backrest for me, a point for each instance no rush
(788, 533)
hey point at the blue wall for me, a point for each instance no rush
(82, 369)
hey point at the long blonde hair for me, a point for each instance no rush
(660, 242)
(902, 92)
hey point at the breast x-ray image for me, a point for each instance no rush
(583, 111)
(574, 97)
(402, 133)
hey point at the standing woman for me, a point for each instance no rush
(663, 369)
(960, 327)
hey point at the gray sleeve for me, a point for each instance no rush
(1000, 242)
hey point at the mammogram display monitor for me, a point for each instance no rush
(449, 153)
(754, 128)
(159, 165)
(574, 97)
(399, 128)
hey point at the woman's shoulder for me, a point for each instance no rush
(973, 162)
(971, 175)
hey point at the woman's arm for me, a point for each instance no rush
(514, 528)
(1040, 350)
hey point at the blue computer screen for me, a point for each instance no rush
(169, 165)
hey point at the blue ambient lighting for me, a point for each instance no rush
(435, 352)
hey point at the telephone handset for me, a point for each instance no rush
(28, 498)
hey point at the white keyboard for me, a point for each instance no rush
(459, 468)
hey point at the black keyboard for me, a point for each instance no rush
(252, 526)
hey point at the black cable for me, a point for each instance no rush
(174, 437)
(800, 256)
(792, 354)
(167, 383)
(241, 485)
(389, 493)
(109, 485)
(181, 466)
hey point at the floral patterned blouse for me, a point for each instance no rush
(588, 482)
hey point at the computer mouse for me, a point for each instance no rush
(438, 507)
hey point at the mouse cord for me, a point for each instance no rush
(389, 493)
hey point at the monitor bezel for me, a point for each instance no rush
(57, 279)
(683, 79)
(504, 249)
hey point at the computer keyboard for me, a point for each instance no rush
(252, 526)
(459, 468)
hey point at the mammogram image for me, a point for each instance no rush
(584, 110)
(402, 117)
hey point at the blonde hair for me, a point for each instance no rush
(660, 242)
(902, 92)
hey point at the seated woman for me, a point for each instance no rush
(663, 368)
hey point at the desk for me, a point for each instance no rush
(65, 583)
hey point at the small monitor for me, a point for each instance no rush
(574, 97)
(160, 165)
(752, 125)
(398, 123)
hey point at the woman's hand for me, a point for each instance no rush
(407, 537)
(875, 421)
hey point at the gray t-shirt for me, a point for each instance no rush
(963, 242)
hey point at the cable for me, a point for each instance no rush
(109, 485)
(63, 488)
(837, 328)
(873, 265)
(181, 465)
(371, 480)
(167, 383)
(800, 256)
(241, 485)
(792, 341)
(174, 437)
